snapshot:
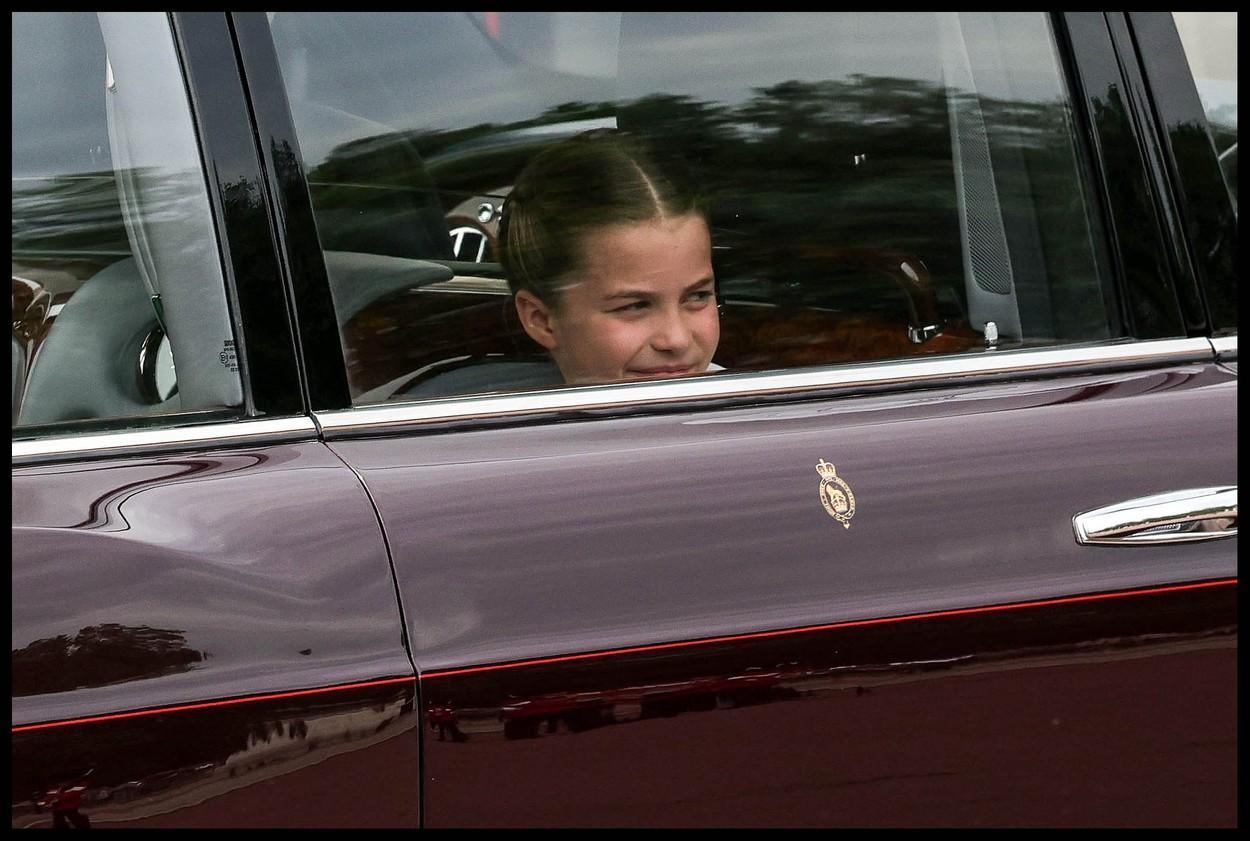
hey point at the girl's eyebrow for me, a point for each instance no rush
(630, 293)
(647, 293)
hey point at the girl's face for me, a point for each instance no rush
(643, 305)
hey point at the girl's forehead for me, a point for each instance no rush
(653, 246)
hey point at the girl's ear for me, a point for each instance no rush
(536, 318)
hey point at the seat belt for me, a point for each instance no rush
(988, 277)
(128, 195)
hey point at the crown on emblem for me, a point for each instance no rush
(825, 469)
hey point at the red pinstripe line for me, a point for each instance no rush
(184, 707)
(812, 628)
(630, 650)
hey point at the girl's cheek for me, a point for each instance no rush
(630, 341)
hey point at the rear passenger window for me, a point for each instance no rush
(876, 186)
(119, 305)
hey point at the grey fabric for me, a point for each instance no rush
(87, 366)
(369, 185)
(480, 377)
(485, 377)
(988, 277)
(156, 159)
(995, 68)
(357, 280)
(491, 375)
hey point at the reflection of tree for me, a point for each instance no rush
(779, 171)
(799, 168)
(1212, 219)
(795, 168)
(99, 655)
(266, 731)
(65, 218)
(241, 195)
(1223, 123)
(1153, 302)
(373, 195)
(138, 757)
(68, 214)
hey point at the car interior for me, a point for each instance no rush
(105, 348)
(842, 239)
(432, 336)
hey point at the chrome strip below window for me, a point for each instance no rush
(468, 284)
(1225, 347)
(367, 419)
(169, 438)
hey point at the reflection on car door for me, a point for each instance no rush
(866, 610)
(207, 639)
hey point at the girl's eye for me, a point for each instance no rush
(636, 306)
(700, 297)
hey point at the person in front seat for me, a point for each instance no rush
(609, 261)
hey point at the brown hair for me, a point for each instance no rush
(588, 181)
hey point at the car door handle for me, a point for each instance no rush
(1177, 517)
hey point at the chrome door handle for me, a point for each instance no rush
(1177, 517)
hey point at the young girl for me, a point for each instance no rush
(610, 263)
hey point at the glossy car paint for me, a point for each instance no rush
(323, 372)
(264, 329)
(186, 579)
(594, 535)
(1047, 714)
(1030, 716)
(345, 757)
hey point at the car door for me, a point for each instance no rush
(205, 629)
(858, 578)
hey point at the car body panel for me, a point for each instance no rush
(513, 544)
(1034, 716)
(346, 757)
(564, 540)
(634, 613)
(215, 575)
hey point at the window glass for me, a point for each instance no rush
(1210, 42)
(875, 185)
(119, 307)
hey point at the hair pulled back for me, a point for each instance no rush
(589, 181)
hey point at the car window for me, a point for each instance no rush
(1210, 42)
(876, 186)
(119, 303)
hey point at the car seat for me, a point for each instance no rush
(89, 364)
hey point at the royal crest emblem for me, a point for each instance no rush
(835, 494)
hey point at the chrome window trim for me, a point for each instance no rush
(387, 418)
(125, 442)
(1225, 347)
(468, 285)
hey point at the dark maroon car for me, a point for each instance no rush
(305, 534)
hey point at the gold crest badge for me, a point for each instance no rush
(835, 494)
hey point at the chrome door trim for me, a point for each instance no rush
(365, 420)
(198, 436)
(1225, 347)
(1177, 517)
(468, 285)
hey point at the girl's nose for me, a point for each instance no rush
(672, 333)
